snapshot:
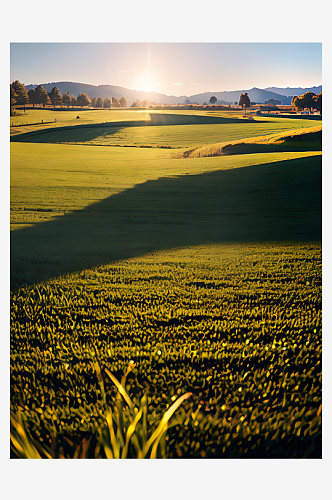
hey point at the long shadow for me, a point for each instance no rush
(88, 132)
(250, 148)
(279, 201)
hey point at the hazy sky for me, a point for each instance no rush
(170, 68)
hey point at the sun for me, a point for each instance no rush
(146, 83)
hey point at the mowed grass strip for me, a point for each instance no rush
(92, 116)
(69, 118)
(164, 130)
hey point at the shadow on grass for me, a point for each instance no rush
(248, 148)
(298, 142)
(278, 201)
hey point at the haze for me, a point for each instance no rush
(170, 68)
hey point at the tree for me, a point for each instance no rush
(32, 97)
(136, 104)
(303, 101)
(83, 100)
(308, 100)
(67, 99)
(115, 102)
(93, 102)
(99, 102)
(19, 89)
(213, 99)
(13, 99)
(296, 101)
(41, 96)
(123, 102)
(318, 102)
(107, 103)
(55, 96)
(244, 101)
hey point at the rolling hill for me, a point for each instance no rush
(294, 90)
(110, 91)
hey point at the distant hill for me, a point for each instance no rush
(255, 94)
(295, 90)
(110, 91)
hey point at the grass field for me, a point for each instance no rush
(205, 271)
(74, 177)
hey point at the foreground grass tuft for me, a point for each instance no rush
(123, 435)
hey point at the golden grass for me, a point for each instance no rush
(227, 147)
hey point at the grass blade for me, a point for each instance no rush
(156, 443)
(22, 443)
(130, 431)
(165, 419)
(121, 389)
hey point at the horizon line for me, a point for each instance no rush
(168, 95)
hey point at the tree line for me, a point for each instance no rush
(308, 100)
(39, 96)
(20, 96)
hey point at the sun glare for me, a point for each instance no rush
(146, 82)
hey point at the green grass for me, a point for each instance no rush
(48, 180)
(172, 130)
(68, 118)
(302, 139)
(262, 202)
(206, 272)
(125, 434)
(239, 326)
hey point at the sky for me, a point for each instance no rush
(170, 68)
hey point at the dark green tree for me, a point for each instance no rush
(55, 96)
(32, 97)
(13, 97)
(99, 102)
(22, 97)
(308, 101)
(213, 99)
(296, 101)
(244, 101)
(67, 99)
(41, 96)
(83, 100)
(93, 102)
(304, 101)
(318, 102)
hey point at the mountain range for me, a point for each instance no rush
(255, 94)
